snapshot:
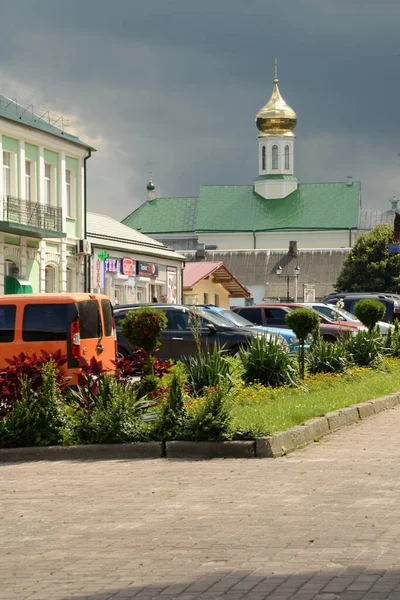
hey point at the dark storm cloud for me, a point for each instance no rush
(175, 85)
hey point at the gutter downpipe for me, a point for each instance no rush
(254, 241)
(86, 273)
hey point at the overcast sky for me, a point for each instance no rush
(174, 86)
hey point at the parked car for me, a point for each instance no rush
(177, 339)
(390, 301)
(80, 325)
(274, 314)
(333, 313)
(288, 335)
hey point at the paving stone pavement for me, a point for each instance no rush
(322, 523)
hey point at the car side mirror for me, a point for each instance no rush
(211, 328)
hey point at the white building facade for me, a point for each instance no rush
(42, 204)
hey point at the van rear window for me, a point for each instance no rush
(7, 322)
(45, 322)
(107, 315)
(89, 320)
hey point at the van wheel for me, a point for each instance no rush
(122, 353)
(329, 338)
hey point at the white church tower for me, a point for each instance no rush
(276, 121)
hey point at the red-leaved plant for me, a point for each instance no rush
(134, 366)
(31, 368)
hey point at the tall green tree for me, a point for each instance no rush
(369, 267)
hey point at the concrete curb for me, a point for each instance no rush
(89, 452)
(272, 446)
(238, 449)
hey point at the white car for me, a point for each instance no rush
(339, 314)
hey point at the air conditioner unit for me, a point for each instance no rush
(84, 247)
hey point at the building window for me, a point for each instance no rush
(205, 298)
(287, 163)
(216, 299)
(274, 156)
(28, 180)
(48, 184)
(51, 283)
(69, 184)
(7, 173)
(263, 159)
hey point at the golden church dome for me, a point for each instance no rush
(276, 117)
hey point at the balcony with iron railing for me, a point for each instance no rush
(33, 219)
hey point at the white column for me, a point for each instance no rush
(23, 256)
(62, 190)
(21, 170)
(42, 276)
(63, 267)
(80, 214)
(41, 175)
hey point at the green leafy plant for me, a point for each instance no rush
(265, 361)
(207, 369)
(211, 417)
(142, 328)
(115, 415)
(38, 417)
(195, 321)
(369, 312)
(365, 349)
(303, 322)
(325, 357)
(173, 416)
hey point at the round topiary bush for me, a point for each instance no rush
(369, 312)
(142, 328)
(303, 321)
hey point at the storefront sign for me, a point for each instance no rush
(146, 269)
(127, 266)
(112, 265)
(98, 273)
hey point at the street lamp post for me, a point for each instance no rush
(288, 277)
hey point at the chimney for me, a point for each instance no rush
(293, 248)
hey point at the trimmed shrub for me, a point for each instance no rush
(142, 328)
(265, 361)
(304, 322)
(369, 312)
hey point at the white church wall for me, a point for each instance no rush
(278, 240)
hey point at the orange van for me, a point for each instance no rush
(80, 325)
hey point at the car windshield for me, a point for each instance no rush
(335, 314)
(235, 318)
(217, 319)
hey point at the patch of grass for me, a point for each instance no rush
(257, 410)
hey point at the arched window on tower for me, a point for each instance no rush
(274, 156)
(287, 161)
(263, 159)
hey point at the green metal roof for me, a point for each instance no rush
(219, 208)
(285, 177)
(164, 215)
(11, 110)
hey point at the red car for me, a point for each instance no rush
(273, 314)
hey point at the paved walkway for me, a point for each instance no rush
(322, 523)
